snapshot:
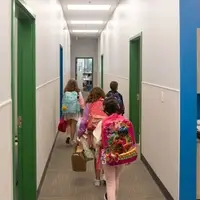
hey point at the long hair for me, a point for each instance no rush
(95, 94)
(72, 86)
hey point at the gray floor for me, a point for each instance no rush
(61, 183)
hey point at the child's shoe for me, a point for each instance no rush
(97, 183)
(67, 140)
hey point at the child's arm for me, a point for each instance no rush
(81, 100)
(97, 134)
(123, 107)
(83, 124)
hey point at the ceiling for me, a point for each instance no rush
(87, 15)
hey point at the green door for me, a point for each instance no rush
(134, 85)
(102, 71)
(24, 102)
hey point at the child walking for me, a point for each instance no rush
(73, 102)
(93, 114)
(114, 93)
(114, 136)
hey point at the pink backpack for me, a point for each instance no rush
(118, 140)
(96, 114)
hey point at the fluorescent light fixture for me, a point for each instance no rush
(88, 7)
(86, 22)
(85, 31)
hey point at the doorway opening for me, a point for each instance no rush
(102, 71)
(61, 78)
(23, 102)
(84, 73)
(135, 85)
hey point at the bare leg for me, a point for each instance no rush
(97, 171)
(68, 132)
(90, 140)
(97, 174)
(73, 128)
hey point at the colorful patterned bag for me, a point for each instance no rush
(118, 140)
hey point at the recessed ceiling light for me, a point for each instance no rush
(85, 31)
(88, 7)
(86, 22)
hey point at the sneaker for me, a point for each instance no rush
(97, 183)
(105, 196)
(67, 140)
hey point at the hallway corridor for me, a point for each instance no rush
(141, 46)
(61, 183)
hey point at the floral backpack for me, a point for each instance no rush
(118, 141)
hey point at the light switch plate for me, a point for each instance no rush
(162, 96)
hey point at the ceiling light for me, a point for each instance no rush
(88, 7)
(85, 31)
(86, 22)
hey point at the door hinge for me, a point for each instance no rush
(138, 97)
(19, 123)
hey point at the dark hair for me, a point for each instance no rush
(72, 86)
(95, 94)
(110, 105)
(114, 86)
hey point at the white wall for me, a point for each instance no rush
(158, 20)
(85, 47)
(99, 62)
(5, 103)
(67, 56)
(49, 34)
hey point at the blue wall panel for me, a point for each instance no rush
(198, 106)
(189, 21)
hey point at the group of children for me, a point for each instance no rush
(102, 130)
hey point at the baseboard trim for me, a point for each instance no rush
(156, 179)
(46, 167)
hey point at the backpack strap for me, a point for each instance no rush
(101, 148)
